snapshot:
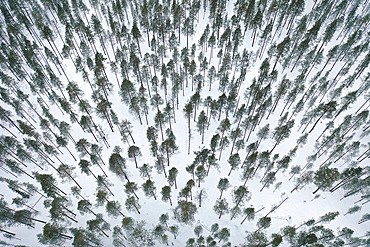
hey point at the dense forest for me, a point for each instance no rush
(184, 123)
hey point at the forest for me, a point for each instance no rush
(192, 123)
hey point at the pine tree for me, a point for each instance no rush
(84, 206)
(240, 195)
(282, 132)
(132, 204)
(223, 234)
(224, 126)
(174, 230)
(223, 185)
(113, 208)
(136, 34)
(134, 153)
(131, 188)
(221, 207)
(201, 196)
(325, 177)
(200, 173)
(166, 194)
(234, 162)
(185, 212)
(188, 110)
(149, 189)
(117, 164)
(83, 237)
(53, 234)
(98, 224)
(201, 124)
(145, 171)
(249, 214)
(169, 146)
(172, 175)
(263, 223)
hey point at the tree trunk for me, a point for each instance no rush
(7, 171)
(70, 176)
(138, 45)
(155, 198)
(189, 135)
(135, 161)
(220, 218)
(10, 233)
(69, 217)
(102, 231)
(70, 153)
(254, 35)
(276, 143)
(276, 207)
(273, 107)
(296, 62)
(136, 209)
(318, 188)
(11, 121)
(237, 205)
(231, 169)
(264, 185)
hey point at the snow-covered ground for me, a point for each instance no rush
(298, 208)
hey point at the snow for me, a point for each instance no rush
(296, 210)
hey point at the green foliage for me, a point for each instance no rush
(149, 189)
(185, 211)
(50, 106)
(52, 234)
(325, 177)
(221, 207)
(136, 233)
(264, 222)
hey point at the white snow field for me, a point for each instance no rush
(298, 206)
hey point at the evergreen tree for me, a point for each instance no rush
(185, 211)
(145, 171)
(224, 126)
(53, 234)
(249, 214)
(131, 188)
(200, 173)
(240, 195)
(263, 223)
(134, 153)
(201, 196)
(221, 207)
(234, 162)
(169, 146)
(149, 189)
(172, 175)
(223, 185)
(136, 34)
(188, 110)
(117, 164)
(223, 234)
(166, 194)
(98, 224)
(325, 177)
(201, 124)
(132, 204)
